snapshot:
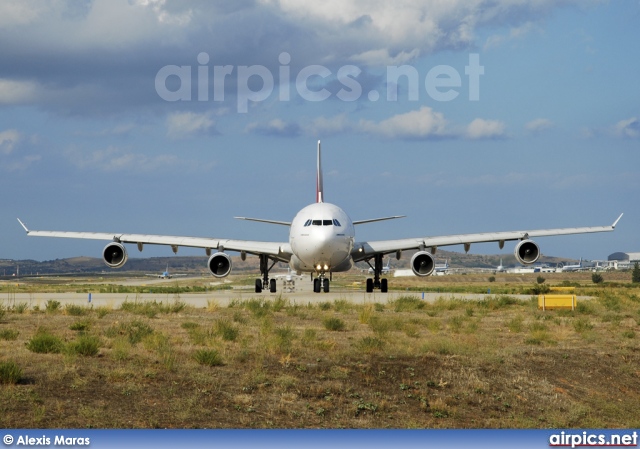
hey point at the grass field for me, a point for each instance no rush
(406, 363)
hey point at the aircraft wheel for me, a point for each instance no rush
(258, 285)
(383, 286)
(369, 285)
(272, 285)
(326, 286)
(316, 286)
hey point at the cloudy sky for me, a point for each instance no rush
(168, 117)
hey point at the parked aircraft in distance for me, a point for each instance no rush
(386, 269)
(322, 241)
(441, 269)
(165, 274)
(568, 268)
(500, 268)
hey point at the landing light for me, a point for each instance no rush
(319, 267)
(326, 267)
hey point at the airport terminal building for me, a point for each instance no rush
(623, 259)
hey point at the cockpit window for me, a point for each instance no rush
(336, 222)
(317, 222)
(327, 222)
(307, 223)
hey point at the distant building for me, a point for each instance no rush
(623, 260)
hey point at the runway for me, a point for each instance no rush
(301, 294)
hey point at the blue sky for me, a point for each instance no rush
(88, 141)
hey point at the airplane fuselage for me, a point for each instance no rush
(322, 237)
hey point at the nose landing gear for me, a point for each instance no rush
(321, 283)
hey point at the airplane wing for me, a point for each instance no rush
(365, 250)
(280, 251)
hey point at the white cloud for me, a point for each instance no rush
(381, 57)
(14, 92)
(629, 128)
(8, 140)
(486, 129)
(118, 159)
(185, 124)
(423, 123)
(275, 127)
(539, 124)
(514, 33)
(419, 124)
(322, 126)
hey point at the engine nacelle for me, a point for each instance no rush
(114, 255)
(527, 252)
(422, 263)
(220, 265)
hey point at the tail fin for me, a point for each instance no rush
(319, 188)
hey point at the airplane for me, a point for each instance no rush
(165, 274)
(441, 268)
(500, 268)
(322, 241)
(577, 267)
(386, 269)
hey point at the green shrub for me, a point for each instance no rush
(597, 278)
(408, 304)
(52, 306)
(9, 334)
(82, 325)
(135, 331)
(226, 330)
(75, 310)
(10, 373)
(209, 357)
(370, 344)
(20, 308)
(635, 274)
(85, 345)
(582, 325)
(515, 324)
(102, 311)
(333, 324)
(44, 342)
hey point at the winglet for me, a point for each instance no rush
(613, 226)
(23, 225)
(319, 188)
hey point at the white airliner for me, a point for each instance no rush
(577, 267)
(386, 269)
(165, 274)
(322, 241)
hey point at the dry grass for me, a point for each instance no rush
(265, 364)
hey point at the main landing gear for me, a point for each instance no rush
(376, 282)
(265, 282)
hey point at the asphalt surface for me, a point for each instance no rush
(300, 293)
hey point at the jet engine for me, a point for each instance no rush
(527, 252)
(422, 263)
(114, 255)
(219, 264)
